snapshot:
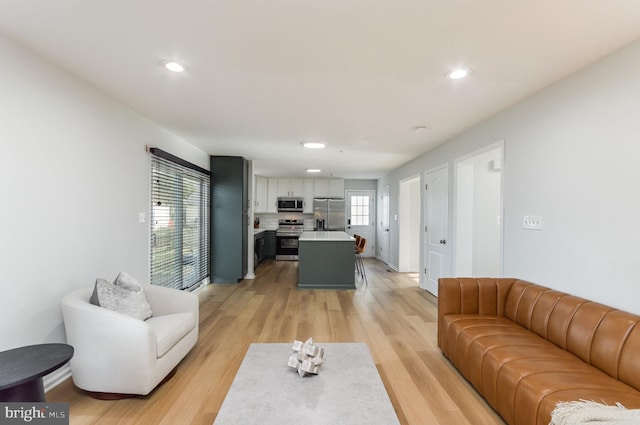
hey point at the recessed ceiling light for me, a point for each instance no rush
(420, 129)
(459, 73)
(313, 170)
(314, 145)
(173, 66)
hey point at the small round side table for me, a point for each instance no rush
(22, 370)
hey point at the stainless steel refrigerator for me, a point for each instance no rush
(328, 214)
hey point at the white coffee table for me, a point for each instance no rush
(347, 391)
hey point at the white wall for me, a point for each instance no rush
(353, 184)
(74, 175)
(571, 156)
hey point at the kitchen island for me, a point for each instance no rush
(326, 260)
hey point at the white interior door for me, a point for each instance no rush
(383, 230)
(360, 217)
(437, 218)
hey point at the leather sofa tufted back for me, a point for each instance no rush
(602, 336)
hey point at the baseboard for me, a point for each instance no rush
(55, 378)
(392, 267)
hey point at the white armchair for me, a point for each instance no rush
(119, 354)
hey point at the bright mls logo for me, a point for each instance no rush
(34, 413)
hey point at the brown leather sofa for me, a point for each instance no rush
(525, 347)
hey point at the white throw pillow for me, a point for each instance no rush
(125, 295)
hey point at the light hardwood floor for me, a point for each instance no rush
(392, 315)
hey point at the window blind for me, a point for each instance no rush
(180, 195)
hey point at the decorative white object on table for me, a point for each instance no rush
(591, 412)
(306, 357)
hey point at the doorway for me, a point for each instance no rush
(383, 230)
(478, 213)
(409, 225)
(436, 247)
(360, 217)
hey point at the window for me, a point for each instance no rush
(180, 194)
(359, 210)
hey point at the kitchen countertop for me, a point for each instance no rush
(326, 236)
(256, 231)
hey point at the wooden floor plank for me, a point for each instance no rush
(391, 314)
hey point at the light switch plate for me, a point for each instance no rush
(532, 222)
(141, 217)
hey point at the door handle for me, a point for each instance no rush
(443, 241)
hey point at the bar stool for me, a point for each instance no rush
(356, 245)
(361, 246)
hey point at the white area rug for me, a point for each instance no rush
(348, 390)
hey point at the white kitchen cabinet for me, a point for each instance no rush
(320, 188)
(336, 188)
(333, 188)
(290, 187)
(308, 196)
(297, 187)
(272, 195)
(283, 188)
(261, 195)
(268, 190)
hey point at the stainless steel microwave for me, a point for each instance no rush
(290, 204)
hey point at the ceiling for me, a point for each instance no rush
(358, 75)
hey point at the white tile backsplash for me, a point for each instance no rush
(270, 221)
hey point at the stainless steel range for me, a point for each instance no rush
(287, 234)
